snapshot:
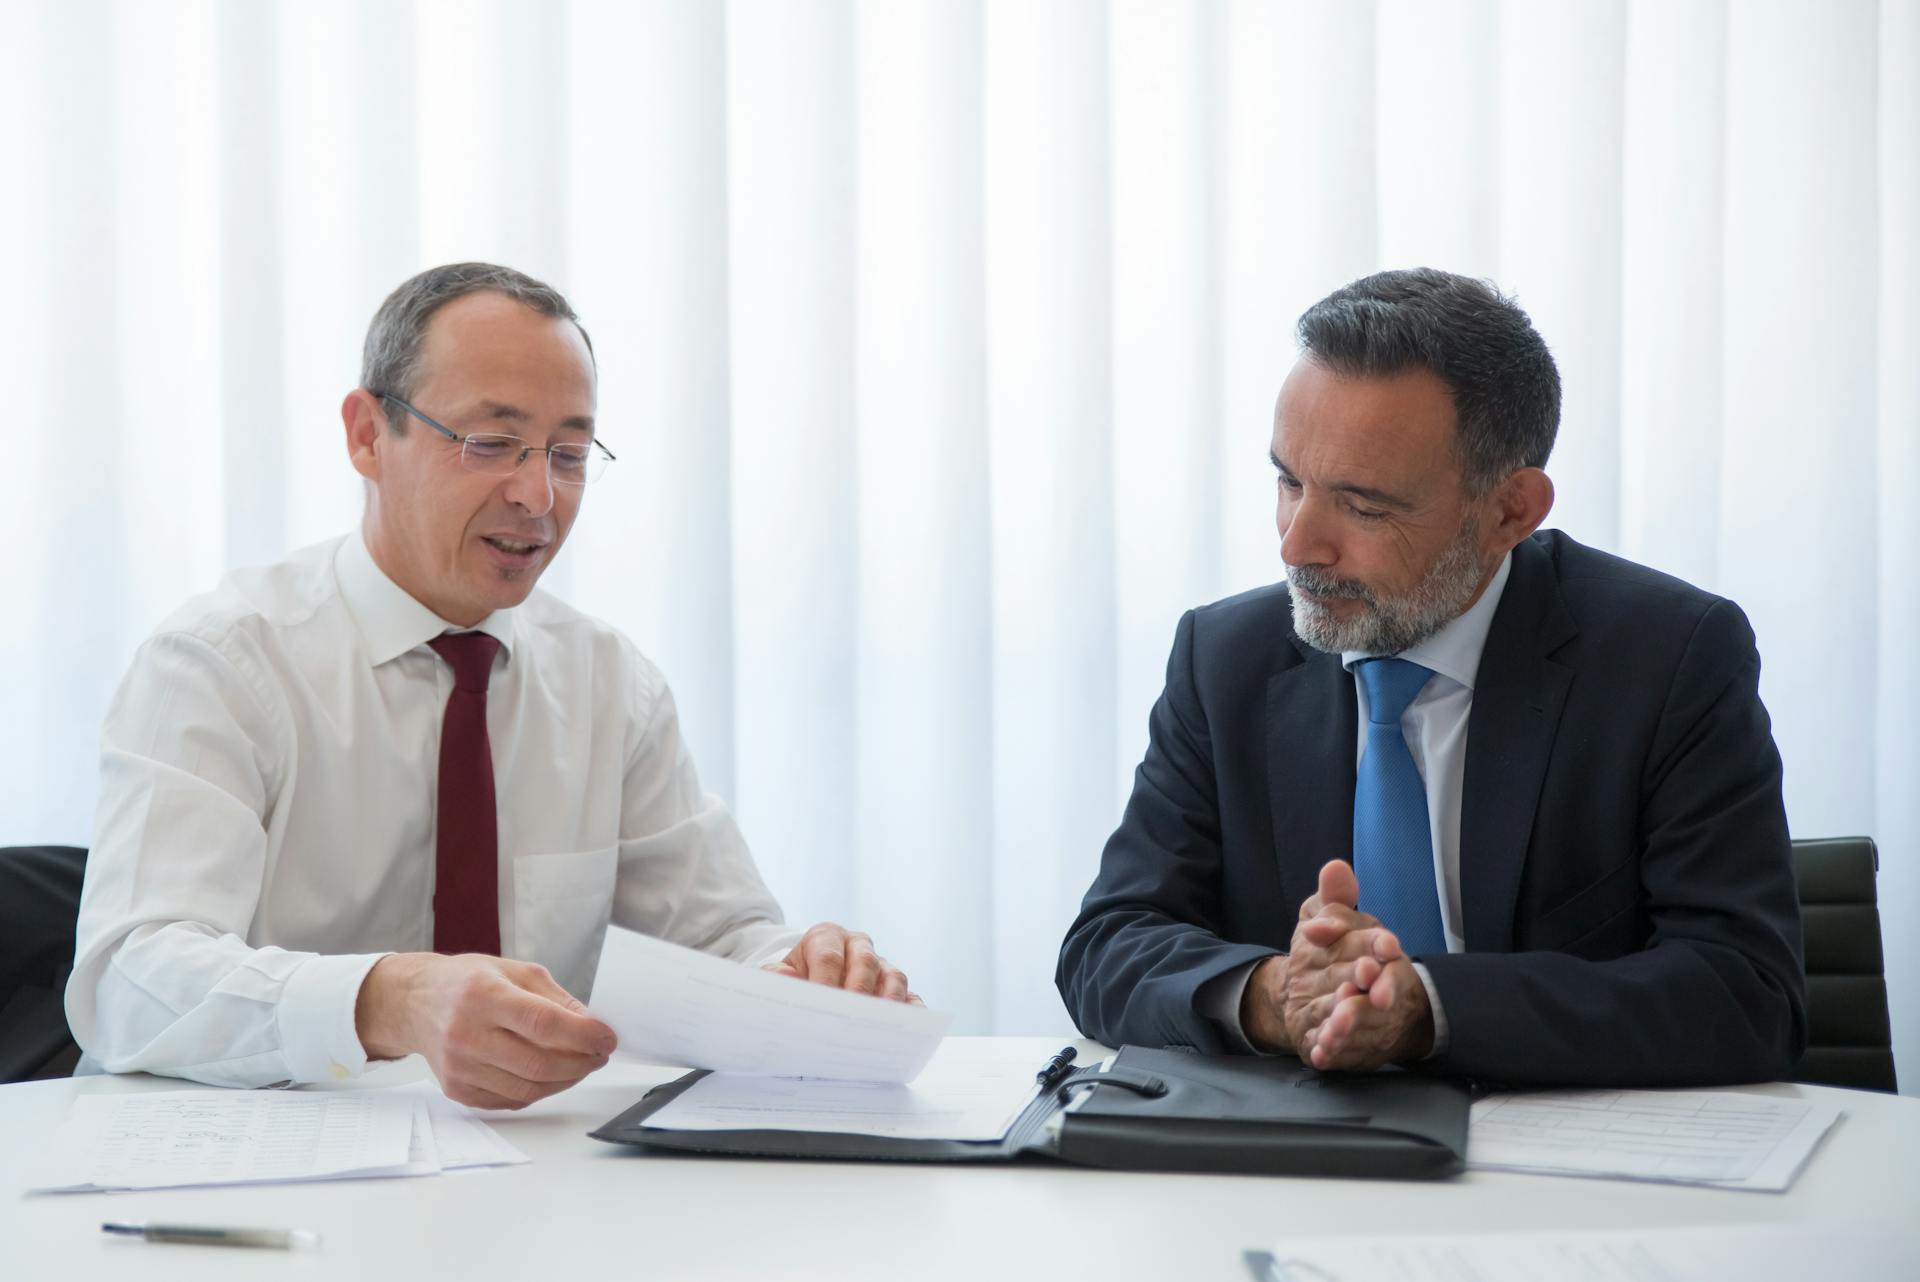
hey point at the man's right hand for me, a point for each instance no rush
(1288, 995)
(497, 1033)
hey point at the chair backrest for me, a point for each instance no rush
(39, 903)
(1849, 1033)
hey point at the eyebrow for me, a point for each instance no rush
(513, 413)
(1367, 492)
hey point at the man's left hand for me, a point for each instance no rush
(1381, 1015)
(841, 958)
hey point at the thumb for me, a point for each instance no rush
(1338, 885)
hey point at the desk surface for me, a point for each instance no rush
(582, 1208)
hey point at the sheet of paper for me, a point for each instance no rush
(1716, 1253)
(676, 1006)
(176, 1138)
(463, 1140)
(179, 1138)
(461, 1137)
(972, 1095)
(1722, 1138)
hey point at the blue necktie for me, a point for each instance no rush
(1392, 843)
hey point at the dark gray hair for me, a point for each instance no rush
(1506, 389)
(390, 363)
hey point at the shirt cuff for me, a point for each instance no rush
(1219, 1000)
(318, 1035)
(1440, 1037)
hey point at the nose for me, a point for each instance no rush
(530, 487)
(1304, 533)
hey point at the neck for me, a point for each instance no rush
(393, 566)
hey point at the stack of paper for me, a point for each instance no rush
(1720, 1138)
(177, 1138)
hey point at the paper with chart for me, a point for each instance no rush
(1718, 1253)
(1722, 1138)
(974, 1092)
(676, 1006)
(176, 1139)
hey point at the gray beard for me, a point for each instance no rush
(1387, 625)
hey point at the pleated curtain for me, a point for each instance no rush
(938, 341)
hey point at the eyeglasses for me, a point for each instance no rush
(498, 454)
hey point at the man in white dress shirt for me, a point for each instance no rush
(384, 797)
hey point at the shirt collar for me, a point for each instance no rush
(391, 621)
(1454, 651)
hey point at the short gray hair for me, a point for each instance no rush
(1473, 338)
(390, 363)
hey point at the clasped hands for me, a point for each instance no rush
(1344, 996)
(501, 1034)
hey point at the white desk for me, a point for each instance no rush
(587, 1210)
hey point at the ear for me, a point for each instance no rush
(365, 420)
(1520, 503)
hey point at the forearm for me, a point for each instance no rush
(1133, 977)
(183, 1001)
(1684, 1013)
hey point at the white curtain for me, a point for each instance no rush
(938, 341)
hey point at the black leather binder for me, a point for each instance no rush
(1157, 1110)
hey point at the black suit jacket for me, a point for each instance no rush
(1625, 871)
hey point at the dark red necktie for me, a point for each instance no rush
(466, 887)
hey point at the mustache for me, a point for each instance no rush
(1330, 587)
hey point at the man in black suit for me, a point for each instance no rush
(1569, 853)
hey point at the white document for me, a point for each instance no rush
(462, 1140)
(1720, 1138)
(1717, 1253)
(965, 1096)
(227, 1137)
(179, 1138)
(677, 1006)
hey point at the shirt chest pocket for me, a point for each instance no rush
(561, 906)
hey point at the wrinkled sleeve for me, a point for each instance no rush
(192, 753)
(686, 875)
(1139, 963)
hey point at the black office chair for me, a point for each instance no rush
(39, 901)
(1849, 1033)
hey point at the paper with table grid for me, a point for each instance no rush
(1721, 1138)
(179, 1138)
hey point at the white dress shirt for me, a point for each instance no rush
(1435, 726)
(269, 777)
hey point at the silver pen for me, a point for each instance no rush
(204, 1235)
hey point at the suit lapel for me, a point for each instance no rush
(1311, 724)
(1517, 699)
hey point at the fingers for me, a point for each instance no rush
(1327, 1046)
(822, 955)
(474, 1097)
(1330, 921)
(546, 1023)
(840, 958)
(1387, 989)
(1365, 1029)
(495, 1068)
(500, 1088)
(863, 966)
(1338, 885)
(1316, 944)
